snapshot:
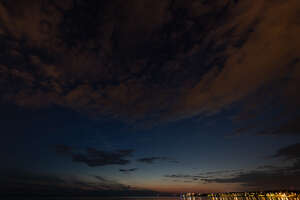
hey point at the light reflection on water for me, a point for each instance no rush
(245, 198)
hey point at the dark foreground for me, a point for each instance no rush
(256, 197)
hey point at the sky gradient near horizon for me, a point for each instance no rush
(130, 96)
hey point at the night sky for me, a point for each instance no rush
(135, 96)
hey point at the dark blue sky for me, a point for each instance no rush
(191, 147)
(164, 96)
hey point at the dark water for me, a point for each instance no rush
(94, 198)
(156, 198)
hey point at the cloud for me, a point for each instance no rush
(248, 74)
(290, 126)
(93, 157)
(289, 152)
(100, 178)
(16, 182)
(184, 177)
(63, 149)
(128, 170)
(274, 179)
(267, 167)
(152, 160)
(265, 177)
(110, 184)
(204, 176)
(22, 181)
(128, 66)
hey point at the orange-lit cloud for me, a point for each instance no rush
(188, 59)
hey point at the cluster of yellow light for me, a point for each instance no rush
(247, 196)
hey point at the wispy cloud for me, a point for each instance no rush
(152, 160)
(126, 171)
(289, 152)
(204, 176)
(93, 157)
(16, 182)
(263, 177)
